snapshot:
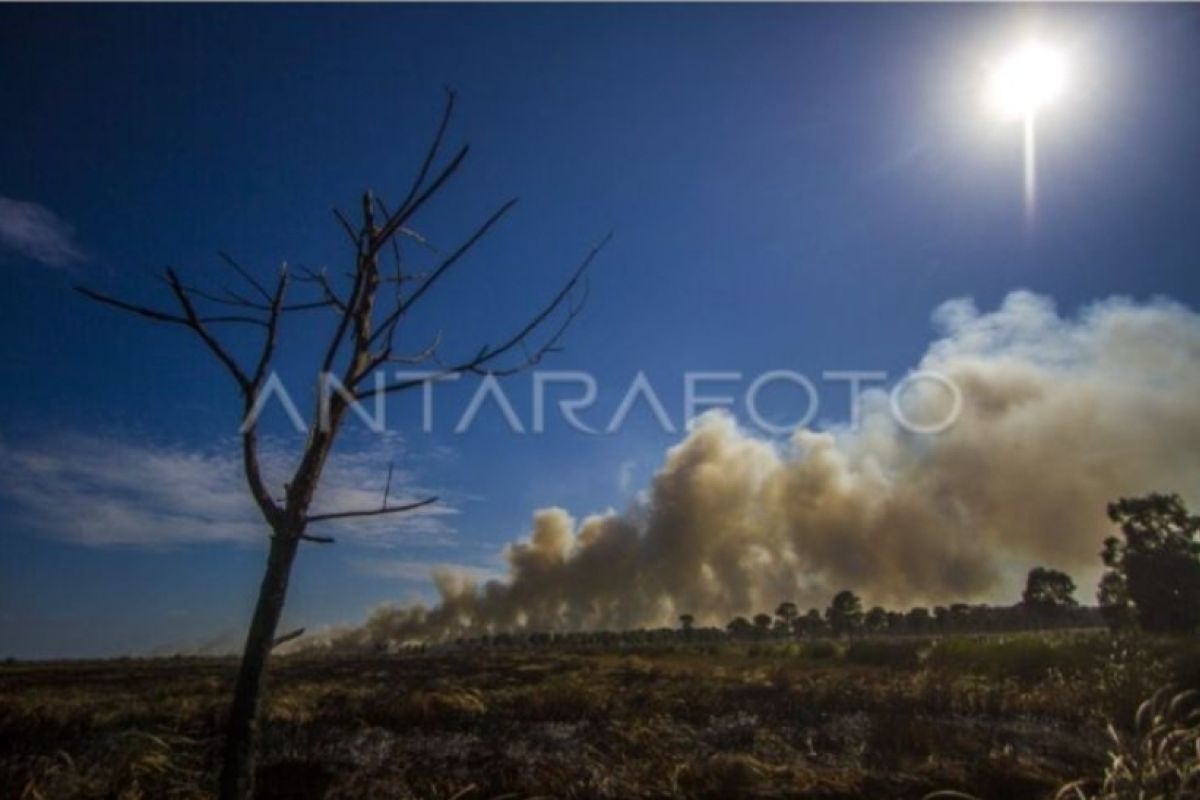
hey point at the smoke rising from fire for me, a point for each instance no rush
(1059, 416)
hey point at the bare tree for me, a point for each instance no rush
(364, 326)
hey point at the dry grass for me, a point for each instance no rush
(1012, 717)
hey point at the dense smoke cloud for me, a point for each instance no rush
(1058, 417)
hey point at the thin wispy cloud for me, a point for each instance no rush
(417, 571)
(625, 475)
(36, 233)
(102, 490)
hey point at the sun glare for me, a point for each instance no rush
(1027, 80)
(1021, 85)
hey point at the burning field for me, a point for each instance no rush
(998, 716)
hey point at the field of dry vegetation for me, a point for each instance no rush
(1000, 717)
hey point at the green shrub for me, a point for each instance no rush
(819, 650)
(1027, 658)
(894, 654)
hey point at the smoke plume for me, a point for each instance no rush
(1058, 417)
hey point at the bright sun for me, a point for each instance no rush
(1026, 81)
(1020, 87)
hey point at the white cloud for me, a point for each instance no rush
(105, 491)
(38, 234)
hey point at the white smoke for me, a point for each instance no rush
(1059, 416)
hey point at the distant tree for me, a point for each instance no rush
(959, 616)
(1115, 606)
(1157, 561)
(355, 312)
(876, 620)
(686, 623)
(810, 624)
(740, 627)
(917, 620)
(762, 624)
(787, 613)
(1048, 594)
(983, 617)
(845, 613)
(941, 618)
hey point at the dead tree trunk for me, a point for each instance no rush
(361, 343)
(241, 733)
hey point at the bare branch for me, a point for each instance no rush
(189, 319)
(550, 307)
(196, 324)
(430, 352)
(368, 269)
(408, 277)
(479, 364)
(434, 147)
(418, 238)
(163, 316)
(546, 348)
(229, 299)
(397, 261)
(252, 469)
(317, 539)
(322, 280)
(150, 313)
(405, 212)
(287, 637)
(237, 301)
(268, 349)
(249, 386)
(374, 512)
(387, 487)
(235, 319)
(311, 304)
(250, 463)
(335, 342)
(246, 275)
(232, 318)
(355, 236)
(388, 323)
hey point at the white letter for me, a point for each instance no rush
(640, 386)
(567, 407)
(855, 380)
(273, 386)
(490, 386)
(936, 377)
(691, 400)
(426, 391)
(791, 377)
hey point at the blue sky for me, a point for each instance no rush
(789, 187)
